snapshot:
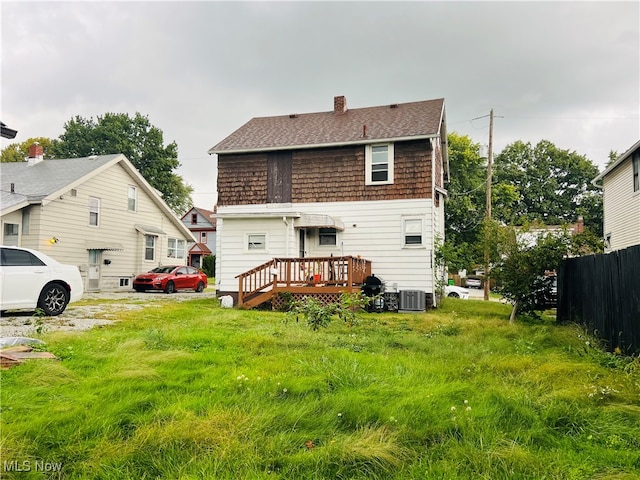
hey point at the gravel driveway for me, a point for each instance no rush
(83, 317)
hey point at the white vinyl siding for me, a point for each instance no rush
(371, 229)
(621, 207)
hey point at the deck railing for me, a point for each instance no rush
(293, 273)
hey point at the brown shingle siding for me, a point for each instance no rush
(327, 175)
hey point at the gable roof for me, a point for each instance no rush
(206, 214)
(40, 183)
(402, 121)
(617, 162)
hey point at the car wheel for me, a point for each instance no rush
(453, 295)
(170, 288)
(53, 299)
(200, 287)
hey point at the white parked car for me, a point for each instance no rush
(456, 292)
(30, 279)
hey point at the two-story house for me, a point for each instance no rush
(296, 192)
(97, 212)
(203, 227)
(620, 184)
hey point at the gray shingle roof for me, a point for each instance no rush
(35, 182)
(403, 120)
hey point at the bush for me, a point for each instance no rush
(209, 265)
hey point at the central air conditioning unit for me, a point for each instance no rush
(412, 301)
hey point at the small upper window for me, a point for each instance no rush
(203, 237)
(256, 241)
(413, 231)
(327, 236)
(132, 199)
(379, 164)
(194, 218)
(94, 211)
(635, 161)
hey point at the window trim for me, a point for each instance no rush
(194, 219)
(249, 249)
(368, 155)
(203, 237)
(405, 233)
(97, 212)
(134, 189)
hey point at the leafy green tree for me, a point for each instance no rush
(141, 142)
(17, 152)
(521, 270)
(552, 186)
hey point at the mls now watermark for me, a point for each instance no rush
(31, 466)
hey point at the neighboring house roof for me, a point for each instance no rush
(617, 162)
(200, 248)
(207, 214)
(402, 121)
(46, 180)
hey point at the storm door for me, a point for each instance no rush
(93, 278)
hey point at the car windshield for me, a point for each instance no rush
(163, 269)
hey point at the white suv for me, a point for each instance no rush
(30, 279)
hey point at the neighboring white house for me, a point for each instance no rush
(365, 182)
(96, 212)
(620, 184)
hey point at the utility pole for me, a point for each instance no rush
(487, 279)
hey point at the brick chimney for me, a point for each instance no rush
(339, 105)
(36, 154)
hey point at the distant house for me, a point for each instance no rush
(323, 199)
(529, 236)
(620, 184)
(203, 227)
(96, 212)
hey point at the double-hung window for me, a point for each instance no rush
(175, 248)
(132, 198)
(94, 211)
(412, 232)
(149, 247)
(379, 164)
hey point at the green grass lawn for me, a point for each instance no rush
(193, 391)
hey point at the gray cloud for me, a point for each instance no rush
(565, 72)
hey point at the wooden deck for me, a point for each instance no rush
(323, 277)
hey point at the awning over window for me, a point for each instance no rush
(98, 245)
(308, 220)
(147, 230)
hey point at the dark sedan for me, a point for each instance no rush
(171, 278)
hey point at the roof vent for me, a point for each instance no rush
(393, 105)
(293, 115)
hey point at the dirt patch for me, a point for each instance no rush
(83, 317)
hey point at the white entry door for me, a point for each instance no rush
(95, 258)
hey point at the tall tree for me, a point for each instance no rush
(553, 186)
(141, 142)
(18, 152)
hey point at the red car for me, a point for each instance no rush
(171, 278)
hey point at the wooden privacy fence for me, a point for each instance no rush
(602, 292)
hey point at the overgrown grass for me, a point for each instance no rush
(192, 391)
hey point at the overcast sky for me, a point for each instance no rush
(564, 72)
